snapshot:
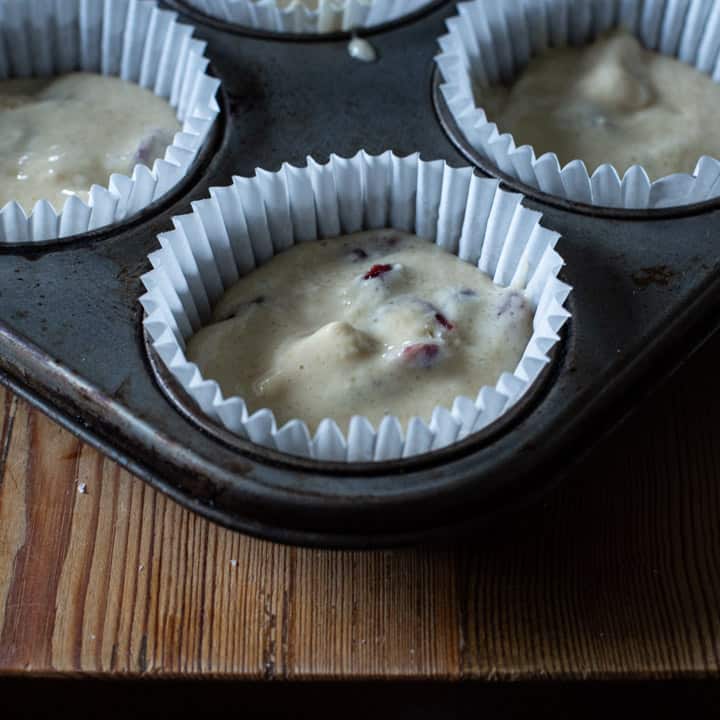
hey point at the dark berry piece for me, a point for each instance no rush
(444, 321)
(468, 292)
(358, 254)
(377, 271)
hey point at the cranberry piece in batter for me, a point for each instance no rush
(377, 270)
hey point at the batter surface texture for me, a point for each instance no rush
(611, 102)
(368, 324)
(59, 136)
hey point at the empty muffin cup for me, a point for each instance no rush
(490, 44)
(135, 41)
(243, 226)
(308, 16)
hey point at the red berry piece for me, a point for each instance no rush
(420, 355)
(377, 271)
(442, 320)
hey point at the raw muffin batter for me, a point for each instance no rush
(367, 324)
(612, 101)
(59, 136)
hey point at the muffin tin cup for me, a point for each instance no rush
(331, 16)
(130, 39)
(490, 43)
(246, 224)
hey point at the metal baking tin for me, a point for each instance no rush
(646, 293)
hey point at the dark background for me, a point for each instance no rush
(77, 698)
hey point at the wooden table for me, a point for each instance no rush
(617, 574)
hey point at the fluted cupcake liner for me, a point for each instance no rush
(294, 17)
(242, 226)
(489, 43)
(131, 39)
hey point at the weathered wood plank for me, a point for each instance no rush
(617, 574)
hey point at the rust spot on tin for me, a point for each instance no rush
(655, 275)
(129, 274)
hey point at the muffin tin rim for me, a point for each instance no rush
(264, 528)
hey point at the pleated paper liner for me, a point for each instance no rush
(489, 43)
(243, 225)
(131, 39)
(327, 16)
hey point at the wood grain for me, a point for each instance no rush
(617, 574)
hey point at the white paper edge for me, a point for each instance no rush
(331, 15)
(132, 39)
(687, 29)
(255, 217)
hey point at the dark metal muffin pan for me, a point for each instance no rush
(646, 293)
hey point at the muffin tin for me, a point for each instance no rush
(646, 293)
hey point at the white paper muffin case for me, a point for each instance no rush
(295, 17)
(490, 42)
(245, 224)
(131, 39)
